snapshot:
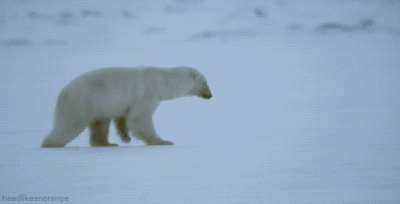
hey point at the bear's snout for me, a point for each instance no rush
(207, 96)
(206, 93)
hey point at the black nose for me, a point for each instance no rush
(207, 96)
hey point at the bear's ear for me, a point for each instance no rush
(195, 74)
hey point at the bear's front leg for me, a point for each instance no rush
(122, 130)
(143, 129)
(99, 133)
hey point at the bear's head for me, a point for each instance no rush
(200, 87)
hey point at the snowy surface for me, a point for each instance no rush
(305, 107)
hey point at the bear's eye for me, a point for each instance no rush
(195, 74)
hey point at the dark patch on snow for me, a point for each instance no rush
(187, 1)
(153, 31)
(91, 13)
(334, 26)
(55, 42)
(235, 33)
(62, 18)
(294, 27)
(38, 16)
(393, 30)
(179, 6)
(173, 9)
(281, 3)
(392, 2)
(34, 15)
(21, 42)
(364, 25)
(65, 18)
(367, 23)
(17, 42)
(128, 14)
(2, 23)
(390, 186)
(204, 35)
(260, 12)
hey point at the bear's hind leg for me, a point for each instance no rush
(99, 133)
(122, 130)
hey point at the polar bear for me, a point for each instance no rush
(129, 96)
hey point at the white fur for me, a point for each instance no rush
(129, 95)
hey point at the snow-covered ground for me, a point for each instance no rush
(305, 107)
